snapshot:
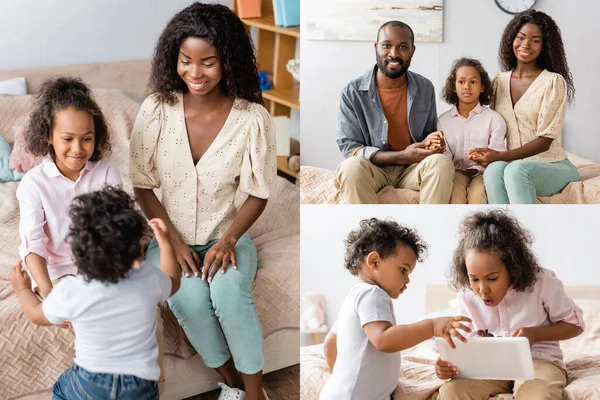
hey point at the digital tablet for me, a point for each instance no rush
(497, 358)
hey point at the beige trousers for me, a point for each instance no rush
(550, 381)
(359, 179)
(467, 189)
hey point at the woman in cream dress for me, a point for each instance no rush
(204, 139)
(532, 95)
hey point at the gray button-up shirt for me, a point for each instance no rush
(362, 126)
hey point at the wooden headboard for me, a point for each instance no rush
(129, 77)
(438, 296)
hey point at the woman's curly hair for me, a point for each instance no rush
(105, 234)
(56, 95)
(496, 231)
(449, 91)
(220, 27)
(552, 57)
(382, 236)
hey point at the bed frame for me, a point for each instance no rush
(129, 77)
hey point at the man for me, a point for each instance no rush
(387, 127)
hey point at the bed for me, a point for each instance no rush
(33, 357)
(419, 382)
(319, 186)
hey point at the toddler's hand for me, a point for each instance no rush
(445, 370)
(446, 327)
(525, 332)
(19, 279)
(160, 231)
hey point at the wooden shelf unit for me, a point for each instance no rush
(275, 46)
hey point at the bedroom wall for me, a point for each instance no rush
(565, 241)
(60, 32)
(471, 28)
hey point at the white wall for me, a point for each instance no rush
(565, 241)
(471, 28)
(38, 33)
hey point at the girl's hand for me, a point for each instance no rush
(483, 156)
(525, 332)
(219, 256)
(446, 327)
(19, 279)
(187, 258)
(445, 370)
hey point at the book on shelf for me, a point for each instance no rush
(248, 8)
(286, 12)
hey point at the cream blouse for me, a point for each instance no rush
(540, 112)
(199, 199)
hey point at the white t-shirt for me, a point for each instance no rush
(115, 324)
(361, 371)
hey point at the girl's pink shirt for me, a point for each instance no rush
(542, 304)
(44, 196)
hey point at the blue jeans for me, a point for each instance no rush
(80, 384)
(521, 181)
(219, 318)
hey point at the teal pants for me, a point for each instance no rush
(521, 181)
(219, 318)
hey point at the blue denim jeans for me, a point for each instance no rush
(80, 384)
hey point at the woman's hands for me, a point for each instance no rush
(484, 156)
(219, 256)
(188, 260)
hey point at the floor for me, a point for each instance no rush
(280, 385)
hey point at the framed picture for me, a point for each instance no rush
(359, 19)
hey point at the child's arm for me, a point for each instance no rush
(392, 338)
(168, 262)
(30, 304)
(559, 331)
(330, 349)
(37, 266)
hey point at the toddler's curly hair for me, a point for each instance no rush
(105, 234)
(382, 236)
(496, 231)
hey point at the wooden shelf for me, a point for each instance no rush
(289, 97)
(282, 165)
(268, 23)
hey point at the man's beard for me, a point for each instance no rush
(382, 64)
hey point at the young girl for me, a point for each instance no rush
(532, 96)
(68, 128)
(504, 291)
(111, 302)
(203, 137)
(363, 346)
(469, 125)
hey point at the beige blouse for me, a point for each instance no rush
(540, 112)
(199, 199)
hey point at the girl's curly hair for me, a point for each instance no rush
(552, 57)
(105, 234)
(58, 94)
(495, 231)
(220, 27)
(382, 236)
(449, 91)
